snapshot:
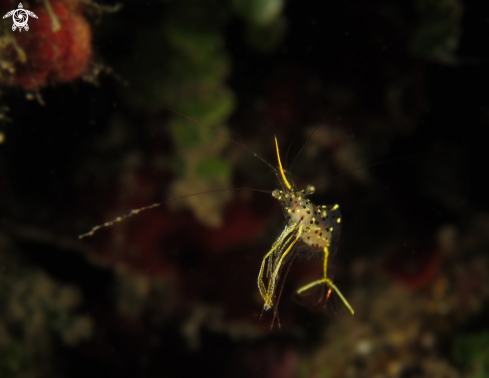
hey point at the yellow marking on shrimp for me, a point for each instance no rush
(336, 206)
(280, 167)
(338, 220)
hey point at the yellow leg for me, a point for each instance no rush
(327, 281)
(278, 242)
(261, 285)
(273, 279)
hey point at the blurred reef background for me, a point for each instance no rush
(90, 128)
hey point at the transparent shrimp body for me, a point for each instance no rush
(317, 226)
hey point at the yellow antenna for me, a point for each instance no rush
(280, 167)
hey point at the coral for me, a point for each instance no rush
(198, 68)
(56, 49)
(472, 351)
(34, 308)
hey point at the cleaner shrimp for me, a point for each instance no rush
(316, 227)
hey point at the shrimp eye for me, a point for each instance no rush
(276, 193)
(311, 189)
